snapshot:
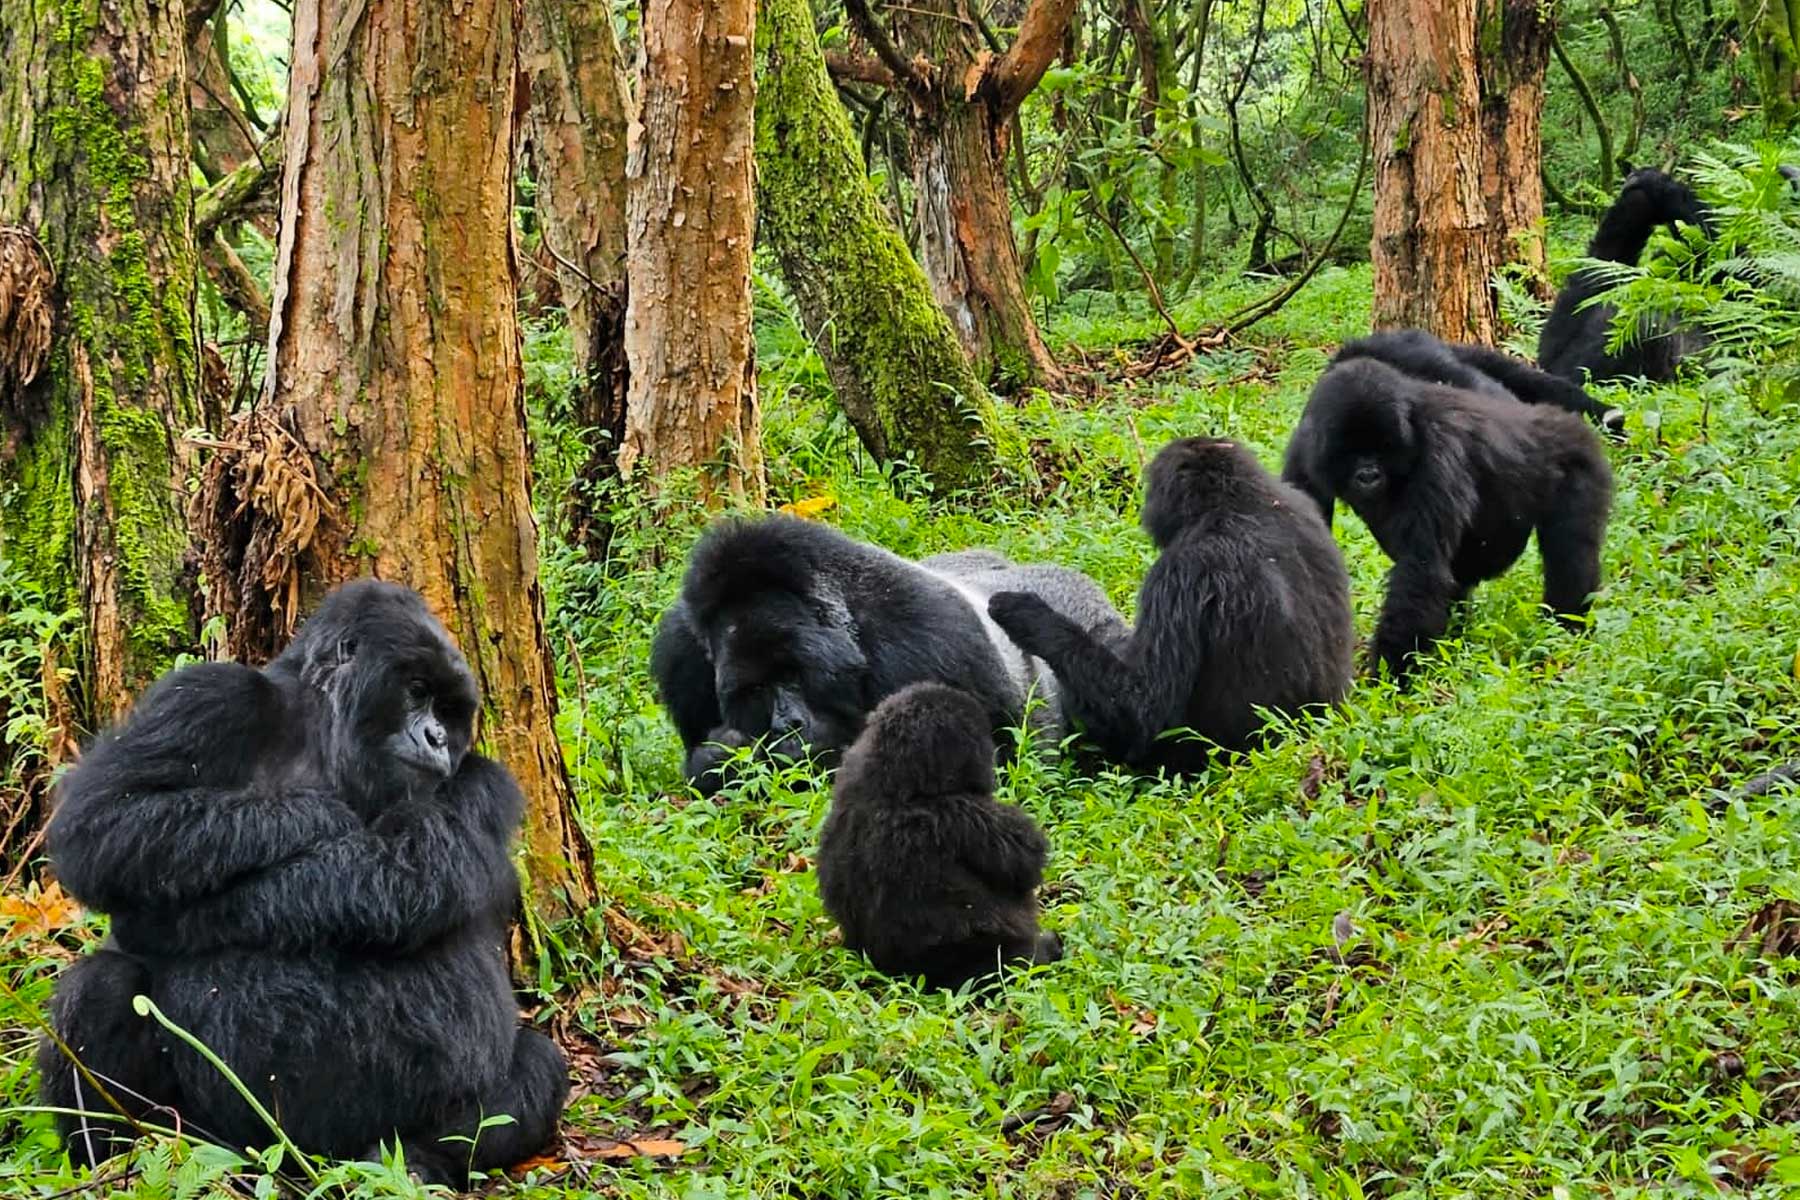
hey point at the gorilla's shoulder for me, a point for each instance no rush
(765, 554)
(218, 691)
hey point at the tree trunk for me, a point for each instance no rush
(223, 137)
(394, 353)
(1156, 80)
(1515, 50)
(94, 161)
(963, 101)
(1431, 247)
(1771, 30)
(691, 214)
(893, 359)
(575, 131)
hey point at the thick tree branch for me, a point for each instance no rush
(876, 34)
(225, 199)
(1040, 38)
(237, 286)
(858, 68)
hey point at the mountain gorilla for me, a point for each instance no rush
(1247, 608)
(308, 869)
(789, 633)
(1478, 369)
(1452, 483)
(922, 869)
(1573, 339)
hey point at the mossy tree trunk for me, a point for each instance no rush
(1514, 51)
(1771, 31)
(1431, 248)
(962, 100)
(691, 223)
(574, 132)
(394, 355)
(94, 161)
(893, 359)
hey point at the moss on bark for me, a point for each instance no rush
(96, 164)
(893, 358)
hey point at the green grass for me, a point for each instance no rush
(1534, 853)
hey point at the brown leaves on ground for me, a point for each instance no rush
(38, 913)
(1036, 1124)
(1774, 930)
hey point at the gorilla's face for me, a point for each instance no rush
(399, 698)
(788, 672)
(1373, 449)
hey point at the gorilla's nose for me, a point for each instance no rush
(435, 735)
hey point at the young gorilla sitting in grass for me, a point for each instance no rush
(924, 871)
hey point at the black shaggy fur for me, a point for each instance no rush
(309, 870)
(1247, 608)
(1478, 369)
(923, 870)
(1573, 340)
(789, 633)
(1452, 483)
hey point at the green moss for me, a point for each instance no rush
(893, 358)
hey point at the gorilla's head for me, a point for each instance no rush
(787, 664)
(1651, 197)
(1191, 477)
(1362, 443)
(398, 699)
(924, 740)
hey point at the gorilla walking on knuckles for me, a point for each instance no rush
(789, 633)
(1247, 608)
(307, 868)
(922, 869)
(1452, 483)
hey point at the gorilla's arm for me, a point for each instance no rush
(1003, 846)
(1415, 612)
(684, 678)
(1298, 470)
(427, 867)
(1124, 702)
(167, 810)
(1533, 386)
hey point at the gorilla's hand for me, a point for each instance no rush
(1027, 619)
(709, 764)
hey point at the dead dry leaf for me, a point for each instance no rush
(39, 912)
(811, 508)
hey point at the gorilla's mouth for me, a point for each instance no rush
(418, 755)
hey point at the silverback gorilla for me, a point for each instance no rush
(1452, 484)
(921, 868)
(308, 869)
(1248, 608)
(789, 633)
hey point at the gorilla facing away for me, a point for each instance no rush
(789, 633)
(1477, 369)
(1573, 339)
(1247, 608)
(308, 869)
(1452, 483)
(925, 873)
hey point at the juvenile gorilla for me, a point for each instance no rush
(1478, 369)
(308, 869)
(1248, 607)
(1452, 483)
(922, 869)
(789, 633)
(1573, 339)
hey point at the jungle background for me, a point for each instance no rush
(943, 273)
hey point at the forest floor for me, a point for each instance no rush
(1507, 933)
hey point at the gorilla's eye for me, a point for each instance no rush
(418, 691)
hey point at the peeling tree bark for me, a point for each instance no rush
(394, 352)
(94, 159)
(1432, 245)
(894, 361)
(1515, 38)
(575, 132)
(691, 219)
(963, 99)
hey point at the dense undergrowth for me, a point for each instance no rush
(1507, 933)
